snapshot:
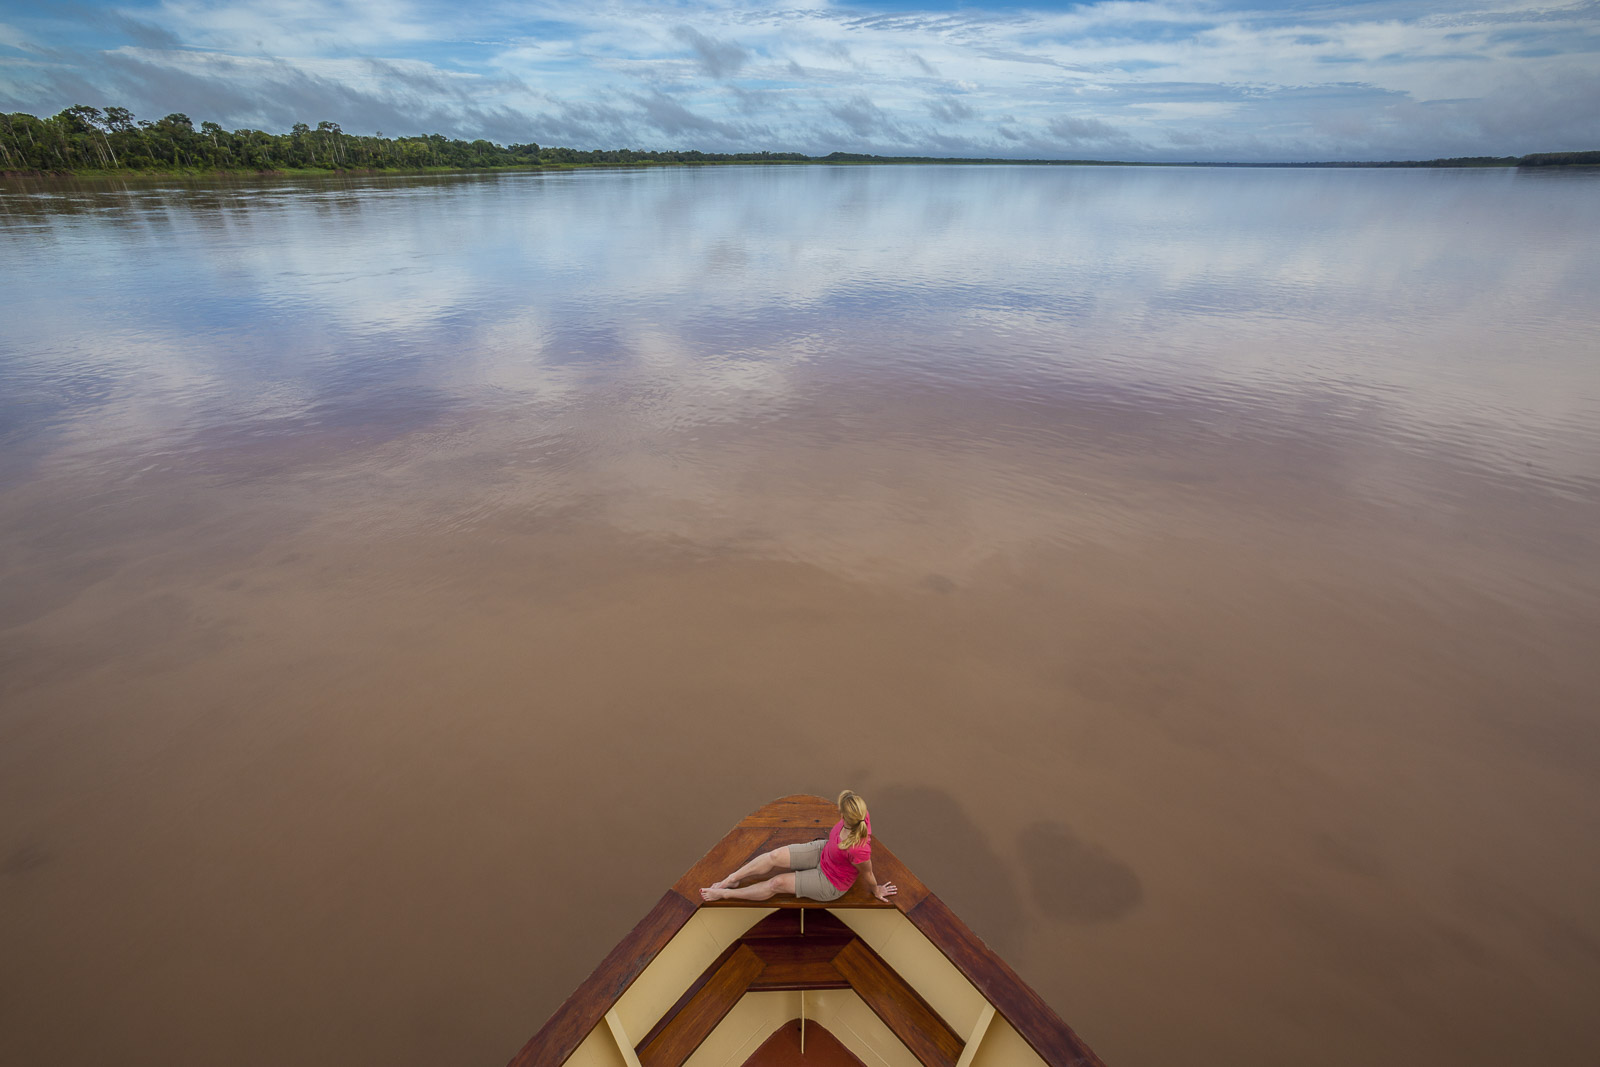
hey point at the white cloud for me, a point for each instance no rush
(1347, 82)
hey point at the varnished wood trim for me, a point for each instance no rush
(739, 846)
(819, 925)
(688, 994)
(588, 1004)
(784, 1048)
(901, 1007)
(1025, 1010)
(801, 810)
(691, 1024)
(809, 978)
(798, 962)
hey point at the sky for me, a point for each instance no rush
(1171, 80)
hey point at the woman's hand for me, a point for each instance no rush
(885, 891)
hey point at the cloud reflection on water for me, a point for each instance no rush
(690, 339)
(1101, 255)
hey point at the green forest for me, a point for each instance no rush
(88, 140)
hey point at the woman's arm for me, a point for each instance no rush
(882, 892)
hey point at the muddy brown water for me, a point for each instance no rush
(406, 580)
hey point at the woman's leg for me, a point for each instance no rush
(764, 864)
(778, 883)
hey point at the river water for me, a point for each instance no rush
(406, 579)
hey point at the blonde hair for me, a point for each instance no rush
(853, 810)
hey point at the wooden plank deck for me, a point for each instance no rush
(793, 959)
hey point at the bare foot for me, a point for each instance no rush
(715, 892)
(729, 882)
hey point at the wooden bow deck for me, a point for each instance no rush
(775, 954)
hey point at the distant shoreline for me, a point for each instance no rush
(87, 142)
(1508, 163)
(1536, 161)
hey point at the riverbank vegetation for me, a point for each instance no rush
(88, 140)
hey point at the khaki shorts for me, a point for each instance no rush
(809, 881)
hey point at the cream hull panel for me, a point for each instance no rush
(921, 964)
(858, 1028)
(903, 947)
(691, 950)
(1002, 1046)
(597, 1050)
(744, 1028)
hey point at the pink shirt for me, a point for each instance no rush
(838, 866)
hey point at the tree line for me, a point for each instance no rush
(87, 138)
(1560, 159)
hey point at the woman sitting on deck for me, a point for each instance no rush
(818, 870)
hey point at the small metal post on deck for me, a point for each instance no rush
(802, 992)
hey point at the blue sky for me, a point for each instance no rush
(1147, 80)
